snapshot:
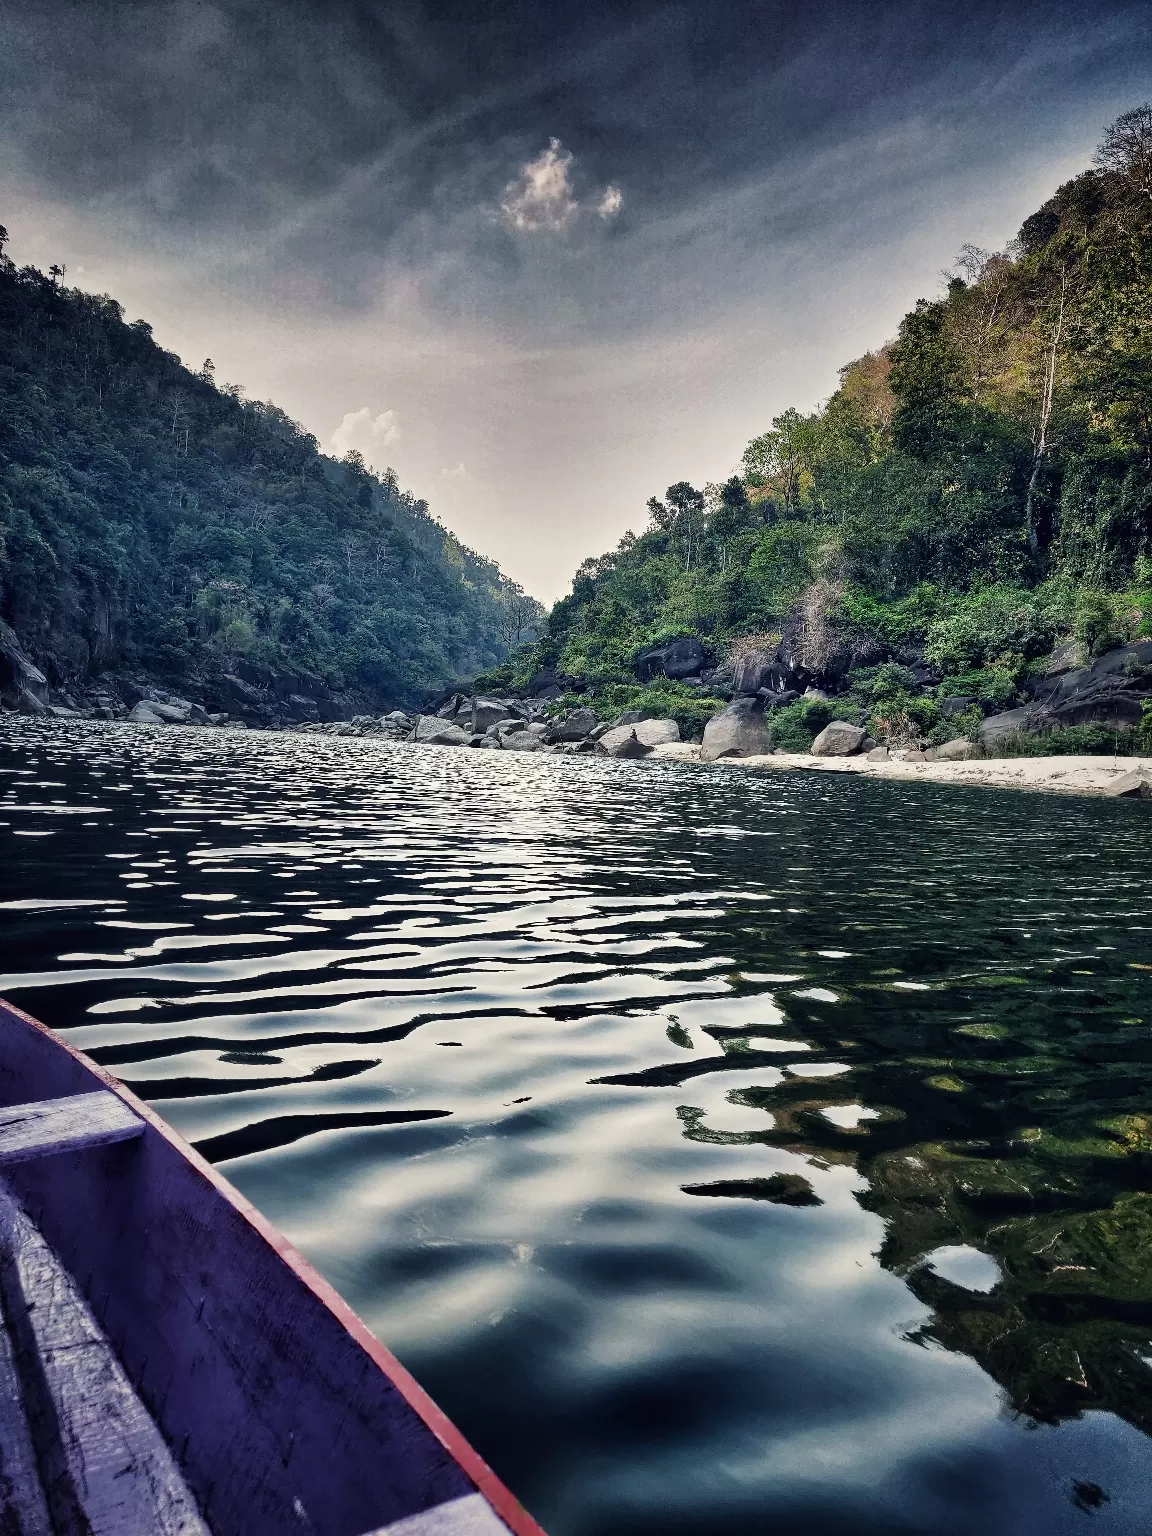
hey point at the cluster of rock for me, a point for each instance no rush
(1110, 692)
(248, 694)
(512, 725)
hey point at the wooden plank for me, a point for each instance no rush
(469, 1516)
(22, 1506)
(105, 1467)
(65, 1125)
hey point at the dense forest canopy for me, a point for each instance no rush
(152, 519)
(971, 492)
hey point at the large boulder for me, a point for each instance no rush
(672, 658)
(145, 713)
(755, 671)
(487, 712)
(955, 751)
(740, 730)
(624, 743)
(1110, 691)
(575, 725)
(1136, 785)
(1008, 723)
(440, 733)
(839, 739)
(22, 684)
(521, 741)
(648, 733)
(176, 712)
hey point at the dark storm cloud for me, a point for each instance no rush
(330, 198)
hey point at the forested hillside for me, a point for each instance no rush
(970, 494)
(155, 522)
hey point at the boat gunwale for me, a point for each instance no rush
(502, 1500)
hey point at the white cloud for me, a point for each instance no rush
(611, 203)
(542, 197)
(369, 434)
(457, 472)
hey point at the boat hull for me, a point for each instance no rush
(283, 1411)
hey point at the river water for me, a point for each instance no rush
(726, 1153)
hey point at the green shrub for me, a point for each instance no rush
(790, 727)
(906, 618)
(1098, 623)
(994, 621)
(1070, 740)
(666, 699)
(991, 685)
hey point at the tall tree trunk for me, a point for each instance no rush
(1045, 418)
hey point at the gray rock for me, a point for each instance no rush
(1109, 692)
(1008, 723)
(144, 713)
(672, 658)
(440, 733)
(486, 712)
(624, 742)
(171, 714)
(1065, 658)
(955, 751)
(739, 730)
(1136, 785)
(838, 739)
(22, 684)
(914, 756)
(575, 725)
(493, 743)
(758, 670)
(878, 755)
(521, 741)
(956, 704)
(648, 733)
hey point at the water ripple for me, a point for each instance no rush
(479, 1032)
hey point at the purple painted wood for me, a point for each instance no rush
(65, 1125)
(283, 1412)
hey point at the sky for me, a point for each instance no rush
(542, 259)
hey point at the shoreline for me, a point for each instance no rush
(1064, 775)
(1068, 775)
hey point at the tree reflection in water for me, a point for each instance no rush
(1028, 1140)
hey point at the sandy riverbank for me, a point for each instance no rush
(1060, 775)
